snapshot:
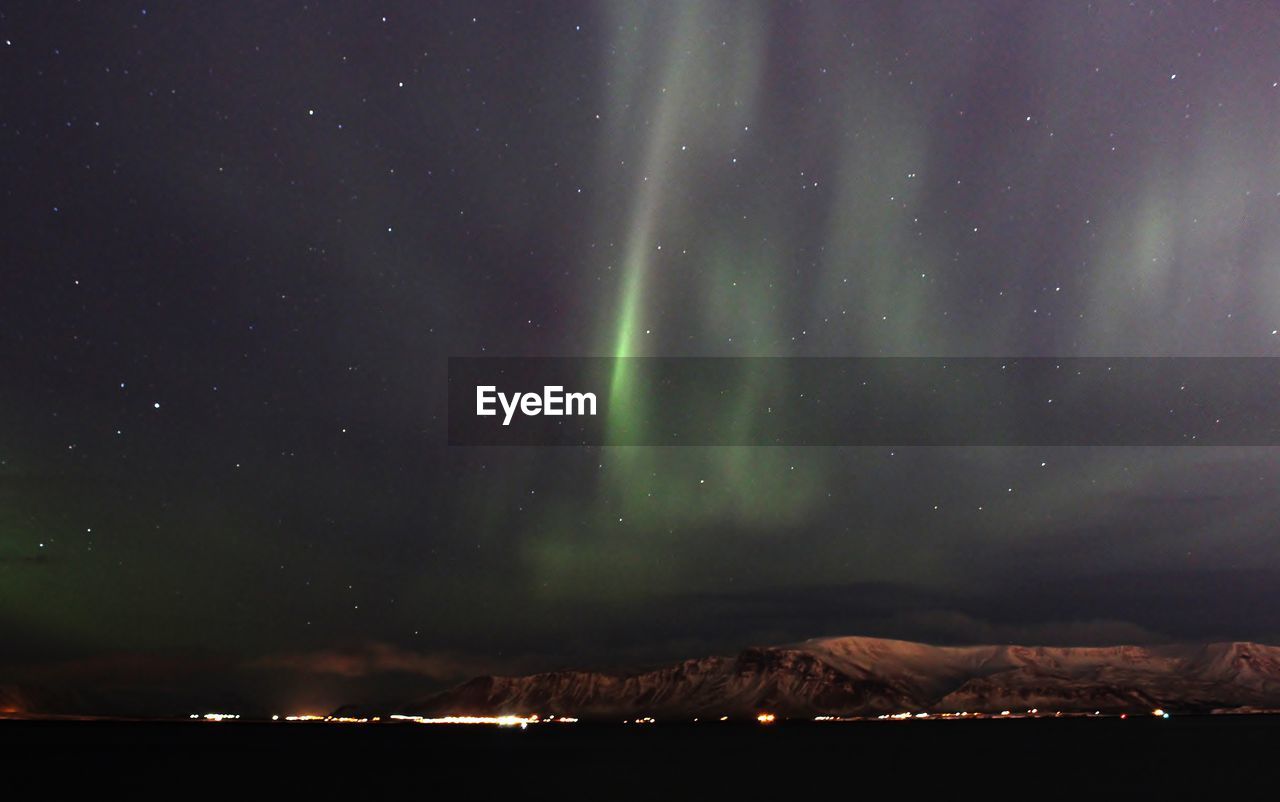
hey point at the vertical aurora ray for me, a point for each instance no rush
(663, 110)
(689, 272)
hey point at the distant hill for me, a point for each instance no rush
(857, 676)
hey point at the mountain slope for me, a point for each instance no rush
(856, 676)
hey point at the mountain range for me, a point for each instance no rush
(860, 676)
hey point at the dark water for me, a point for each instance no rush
(1136, 751)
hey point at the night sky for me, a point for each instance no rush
(241, 240)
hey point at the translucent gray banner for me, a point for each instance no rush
(864, 401)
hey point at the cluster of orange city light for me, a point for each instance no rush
(501, 721)
(762, 718)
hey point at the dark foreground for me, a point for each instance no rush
(1139, 750)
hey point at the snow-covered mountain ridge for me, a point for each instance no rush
(859, 676)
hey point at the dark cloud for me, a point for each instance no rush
(370, 660)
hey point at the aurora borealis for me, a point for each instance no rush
(241, 243)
